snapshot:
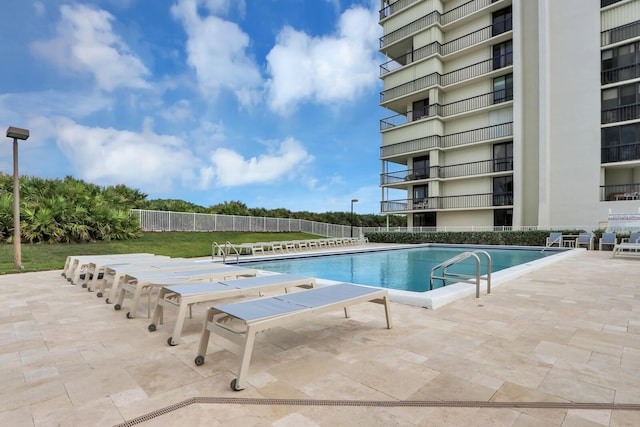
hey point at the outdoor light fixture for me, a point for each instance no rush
(352, 202)
(16, 134)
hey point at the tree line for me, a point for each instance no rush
(70, 210)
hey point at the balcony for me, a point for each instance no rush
(619, 192)
(392, 8)
(489, 133)
(451, 109)
(619, 34)
(451, 171)
(460, 43)
(620, 153)
(456, 76)
(469, 201)
(620, 74)
(621, 114)
(433, 18)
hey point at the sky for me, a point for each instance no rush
(273, 103)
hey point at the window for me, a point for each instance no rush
(421, 109)
(503, 55)
(424, 219)
(621, 103)
(503, 217)
(421, 167)
(502, 21)
(620, 143)
(420, 196)
(620, 63)
(503, 88)
(503, 157)
(503, 190)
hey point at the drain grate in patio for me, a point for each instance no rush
(379, 403)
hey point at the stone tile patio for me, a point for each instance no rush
(560, 336)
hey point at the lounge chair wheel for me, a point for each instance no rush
(234, 385)
(84, 285)
(107, 301)
(129, 315)
(152, 327)
(99, 294)
(199, 360)
(117, 307)
(170, 342)
(63, 275)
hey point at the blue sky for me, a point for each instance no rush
(270, 102)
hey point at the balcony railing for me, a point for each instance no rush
(460, 43)
(437, 79)
(468, 201)
(502, 130)
(433, 18)
(621, 114)
(605, 3)
(392, 8)
(446, 110)
(451, 171)
(619, 74)
(621, 153)
(619, 34)
(619, 192)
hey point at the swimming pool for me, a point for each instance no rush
(401, 269)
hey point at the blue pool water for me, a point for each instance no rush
(405, 269)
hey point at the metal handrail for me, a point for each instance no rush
(232, 247)
(463, 278)
(216, 249)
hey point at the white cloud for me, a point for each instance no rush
(324, 69)
(110, 156)
(85, 43)
(216, 49)
(231, 169)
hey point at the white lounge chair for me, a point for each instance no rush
(626, 249)
(75, 265)
(95, 270)
(241, 321)
(138, 283)
(115, 275)
(185, 295)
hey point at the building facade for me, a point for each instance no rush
(510, 112)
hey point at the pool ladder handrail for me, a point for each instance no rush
(225, 250)
(466, 278)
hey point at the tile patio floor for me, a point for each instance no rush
(568, 332)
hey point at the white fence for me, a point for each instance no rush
(186, 221)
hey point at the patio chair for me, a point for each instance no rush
(554, 239)
(183, 296)
(586, 240)
(634, 237)
(607, 239)
(240, 322)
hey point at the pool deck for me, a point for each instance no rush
(557, 346)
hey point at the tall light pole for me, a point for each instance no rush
(352, 202)
(16, 134)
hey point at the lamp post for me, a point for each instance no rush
(352, 202)
(16, 134)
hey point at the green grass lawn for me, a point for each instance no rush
(40, 257)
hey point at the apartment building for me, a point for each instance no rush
(510, 112)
